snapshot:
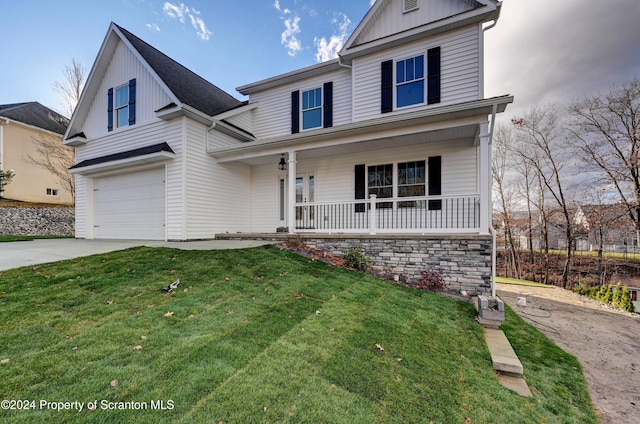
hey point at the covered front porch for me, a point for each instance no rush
(426, 172)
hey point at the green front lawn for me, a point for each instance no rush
(259, 335)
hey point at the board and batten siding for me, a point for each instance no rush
(335, 178)
(393, 20)
(460, 72)
(217, 195)
(150, 95)
(272, 118)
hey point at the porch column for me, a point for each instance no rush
(291, 198)
(485, 178)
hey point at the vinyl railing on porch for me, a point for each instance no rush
(432, 214)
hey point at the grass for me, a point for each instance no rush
(515, 281)
(7, 239)
(260, 335)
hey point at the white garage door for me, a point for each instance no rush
(130, 206)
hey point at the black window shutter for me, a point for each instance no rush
(386, 86)
(360, 186)
(132, 101)
(435, 182)
(433, 75)
(327, 105)
(110, 109)
(295, 112)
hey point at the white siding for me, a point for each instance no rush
(460, 72)
(273, 115)
(335, 180)
(391, 19)
(150, 96)
(217, 195)
(242, 120)
(81, 207)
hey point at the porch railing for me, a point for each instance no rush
(432, 214)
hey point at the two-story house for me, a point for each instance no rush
(387, 146)
(31, 130)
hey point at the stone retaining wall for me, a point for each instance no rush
(37, 221)
(465, 260)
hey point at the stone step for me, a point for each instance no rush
(503, 357)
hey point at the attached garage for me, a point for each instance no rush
(130, 205)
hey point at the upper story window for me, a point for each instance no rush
(311, 109)
(122, 101)
(122, 106)
(410, 81)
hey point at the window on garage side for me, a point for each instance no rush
(122, 106)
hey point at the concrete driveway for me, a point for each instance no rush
(27, 253)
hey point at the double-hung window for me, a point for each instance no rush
(411, 181)
(410, 81)
(380, 179)
(122, 106)
(311, 109)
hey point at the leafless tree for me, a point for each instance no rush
(56, 158)
(606, 132)
(504, 189)
(71, 88)
(541, 130)
(51, 154)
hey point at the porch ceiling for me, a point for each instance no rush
(466, 133)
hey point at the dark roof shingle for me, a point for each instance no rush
(34, 114)
(190, 88)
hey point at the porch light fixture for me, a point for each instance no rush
(282, 165)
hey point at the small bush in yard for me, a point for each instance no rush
(354, 258)
(433, 279)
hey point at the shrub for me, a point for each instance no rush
(625, 302)
(617, 296)
(354, 258)
(433, 279)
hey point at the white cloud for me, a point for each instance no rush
(154, 27)
(328, 49)
(174, 11)
(181, 12)
(289, 37)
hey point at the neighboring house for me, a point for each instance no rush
(22, 125)
(389, 141)
(606, 224)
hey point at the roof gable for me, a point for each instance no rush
(35, 115)
(184, 87)
(387, 20)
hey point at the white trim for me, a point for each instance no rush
(123, 163)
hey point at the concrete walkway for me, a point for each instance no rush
(28, 253)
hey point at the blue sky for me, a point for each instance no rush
(541, 51)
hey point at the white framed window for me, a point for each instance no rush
(410, 81)
(311, 109)
(121, 106)
(52, 192)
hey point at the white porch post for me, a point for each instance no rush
(485, 179)
(291, 198)
(372, 219)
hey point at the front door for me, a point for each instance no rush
(305, 193)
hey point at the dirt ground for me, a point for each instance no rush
(605, 341)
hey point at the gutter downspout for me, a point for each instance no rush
(491, 229)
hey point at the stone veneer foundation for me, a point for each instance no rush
(464, 259)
